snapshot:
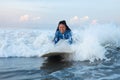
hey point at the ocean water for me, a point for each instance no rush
(94, 54)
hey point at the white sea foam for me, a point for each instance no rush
(89, 43)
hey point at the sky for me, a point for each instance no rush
(47, 13)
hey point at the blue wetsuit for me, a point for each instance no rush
(66, 35)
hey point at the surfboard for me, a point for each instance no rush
(56, 55)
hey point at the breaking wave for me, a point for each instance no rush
(93, 42)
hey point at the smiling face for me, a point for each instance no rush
(62, 28)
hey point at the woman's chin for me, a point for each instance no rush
(62, 32)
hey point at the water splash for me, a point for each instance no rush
(89, 43)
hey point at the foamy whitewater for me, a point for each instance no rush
(89, 42)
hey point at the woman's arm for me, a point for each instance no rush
(70, 38)
(56, 38)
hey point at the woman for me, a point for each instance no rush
(63, 32)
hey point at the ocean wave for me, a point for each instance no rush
(89, 43)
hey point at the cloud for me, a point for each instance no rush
(85, 18)
(94, 21)
(77, 20)
(24, 18)
(74, 20)
(35, 18)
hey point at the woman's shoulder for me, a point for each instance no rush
(57, 33)
(68, 31)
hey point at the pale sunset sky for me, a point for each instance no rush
(47, 13)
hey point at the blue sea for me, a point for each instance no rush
(94, 54)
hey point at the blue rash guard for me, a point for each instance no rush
(67, 35)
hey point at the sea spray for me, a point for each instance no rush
(89, 43)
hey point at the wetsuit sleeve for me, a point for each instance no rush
(56, 38)
(70, 38)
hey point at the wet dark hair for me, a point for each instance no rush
(64, 23)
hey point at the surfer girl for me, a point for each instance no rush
(63, 32)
